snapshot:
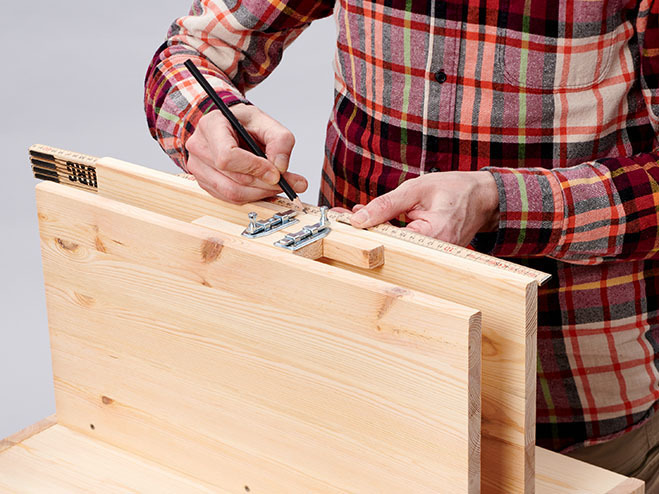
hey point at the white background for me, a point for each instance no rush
(71, 76)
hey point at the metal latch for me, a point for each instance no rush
(308, 234)
(266, 227)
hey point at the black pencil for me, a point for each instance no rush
(254, 147)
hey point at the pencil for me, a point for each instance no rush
(242, 132)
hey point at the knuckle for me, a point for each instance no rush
(253, 167)
(232, 194)
(221, 162)
(382, 203)
(287, 138)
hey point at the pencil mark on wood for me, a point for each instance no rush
(117, 242)
(66, 244)
(107, 400)
(211, 249)
(206, 283)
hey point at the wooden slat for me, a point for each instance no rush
(358, 252)
(559, 474)
(24, 434)
(508, 302)
(242, 364)
(59, 460)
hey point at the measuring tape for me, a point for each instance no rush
(429, 242)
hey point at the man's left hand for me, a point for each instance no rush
(450, 206)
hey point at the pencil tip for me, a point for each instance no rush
(298, 203)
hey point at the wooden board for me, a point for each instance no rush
(559, 474)
(241, 364)
(507, 300)
(62, 460)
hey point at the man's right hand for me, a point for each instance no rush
(226, 171)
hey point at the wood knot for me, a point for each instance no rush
(84, 300)
(100, 246)
(390, 296)
(211, 249)
(106, 400)
(66, 244)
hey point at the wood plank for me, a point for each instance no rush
(560, 474)
(29, 431)
(508, 302)
(326, 381)
(60, 460)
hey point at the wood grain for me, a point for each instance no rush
(559, 474)
(60, 460)
(508, 302)
(358, 252)
(29, 431)
(229, 360)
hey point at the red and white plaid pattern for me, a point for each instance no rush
(558, 99)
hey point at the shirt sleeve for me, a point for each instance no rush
(234, 43)
(604, 210)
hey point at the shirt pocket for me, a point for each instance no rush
(576, 52)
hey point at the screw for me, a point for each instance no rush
(323, 216)
(252, 222)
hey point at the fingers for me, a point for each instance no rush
(224, 151)
(233, 174)
(221, 186)
(386, 207)
(298, 182)
(276, 138)
(339, 210)
(420, 226)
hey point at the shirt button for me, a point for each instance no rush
(440, 76)
(433, 170)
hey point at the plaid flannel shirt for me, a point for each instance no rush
(559, 99)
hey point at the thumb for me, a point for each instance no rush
(385, 207)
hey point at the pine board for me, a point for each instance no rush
(164, 340)
(507, 301)
(60, 460)
(52, 458)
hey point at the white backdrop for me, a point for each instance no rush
(72, 77)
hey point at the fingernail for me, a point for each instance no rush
(271, 177)
(281, 162)
(360, 217)
(301, 184)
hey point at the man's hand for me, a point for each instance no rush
(225, 170)
(450, 206)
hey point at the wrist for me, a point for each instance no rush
(489, 198)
